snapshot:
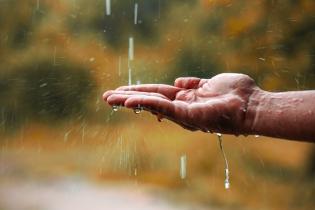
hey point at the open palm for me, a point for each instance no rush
(212, 105)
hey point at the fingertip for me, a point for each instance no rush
(106, 94)
(110, 99)
(117, 99)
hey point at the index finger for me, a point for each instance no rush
(152, 103)
(166, 90)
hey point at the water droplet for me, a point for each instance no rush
(226, 184)
(219, 134)
(136, 14)
(108, 7)
(115, 108)
(183, 166)
(256, 136)
(138, 109)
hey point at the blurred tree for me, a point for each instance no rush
(45, 92)
(56, 91)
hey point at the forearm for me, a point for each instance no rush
(289, 115)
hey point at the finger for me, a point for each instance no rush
(152, 103)
(166, 90)
(187, 82)
(107, 94)
(117, 99)
(111, 92)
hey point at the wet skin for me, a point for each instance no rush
(227, 103)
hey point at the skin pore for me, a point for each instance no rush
(227, 103)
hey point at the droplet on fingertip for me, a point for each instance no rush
(138, 109)
(219, 134)
(115, 108)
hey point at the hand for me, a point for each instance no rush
(218, 104)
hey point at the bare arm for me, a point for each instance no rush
(289, 115)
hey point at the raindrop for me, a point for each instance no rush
(37, 5)
(183, 166)
(131, 57)
(136, 14)
(43, 85)
(108, 7)
(257, 136)
(129, 76)
(138, 110)
(65, 139)
(119, 66)
(131, 48)
(115, 108)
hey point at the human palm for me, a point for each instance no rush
(218, 104)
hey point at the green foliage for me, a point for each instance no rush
(45, 92)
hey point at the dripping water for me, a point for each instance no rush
(226, 170)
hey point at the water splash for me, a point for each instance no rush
(226, 170)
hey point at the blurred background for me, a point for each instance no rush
(62, 148)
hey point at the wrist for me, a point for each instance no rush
(255, 100)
